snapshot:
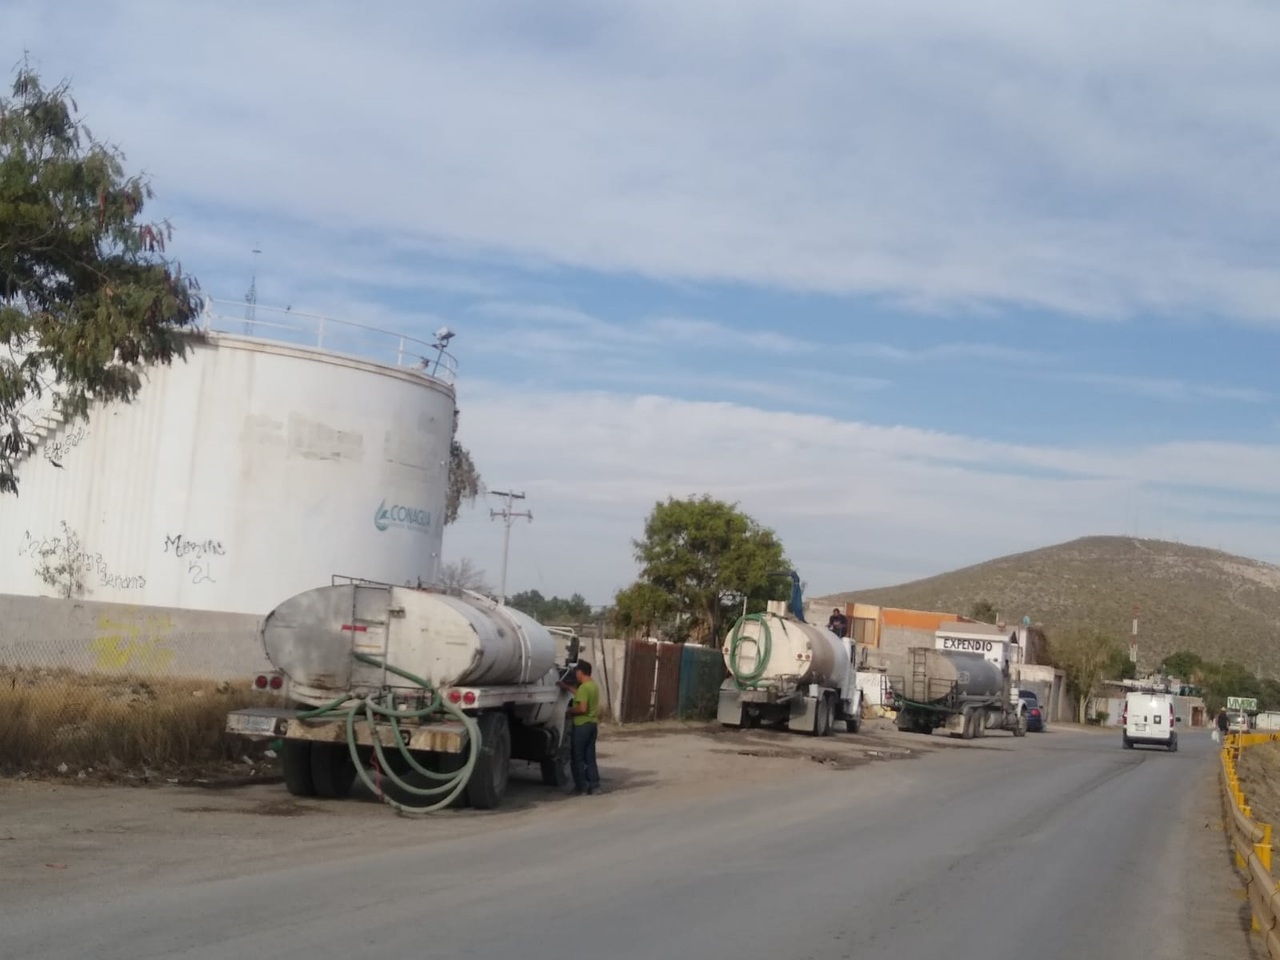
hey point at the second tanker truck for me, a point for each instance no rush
(423, 695)
(962, 692)
(789, 673)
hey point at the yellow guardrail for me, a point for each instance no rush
(1251, 840)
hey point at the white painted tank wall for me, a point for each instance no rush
(249, 473)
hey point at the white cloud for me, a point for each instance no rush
(1085, 157)
(857, 505)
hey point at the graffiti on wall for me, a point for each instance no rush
(136, 645)
(55, 450)
(196, 555)
(63, 563)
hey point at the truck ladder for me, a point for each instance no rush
(919, 678)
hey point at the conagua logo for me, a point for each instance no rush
(397, 515)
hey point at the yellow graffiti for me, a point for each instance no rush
(133, 645)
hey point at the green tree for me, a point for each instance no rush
(1184, 665)
(1084, 656)
(640, 608)
(984, 611)
(571, 610)
(1119, 666)
(87, 296)
(702, 553)
(464, 479)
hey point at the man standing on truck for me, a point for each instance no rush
(585, 710)
(838, 623)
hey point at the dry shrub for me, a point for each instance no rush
(48, 718)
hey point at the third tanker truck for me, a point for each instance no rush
(425, 696)
(962, 686)
(789, 673)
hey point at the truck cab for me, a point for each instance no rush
(1149, 720)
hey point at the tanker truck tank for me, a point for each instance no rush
(767, 648)
(969, 675)
(447, 640)
(785, 671)
(395, 680)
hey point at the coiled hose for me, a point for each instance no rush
(764, 648)
(382, 704)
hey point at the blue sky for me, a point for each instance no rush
(916, 285)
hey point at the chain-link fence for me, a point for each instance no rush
(123, 702)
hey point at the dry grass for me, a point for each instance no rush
(103, 723)
(1259, 771)
(1220, 606)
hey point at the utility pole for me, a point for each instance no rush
(508, 517)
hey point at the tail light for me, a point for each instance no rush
(455, 696)
(469, 697)
(277, 682)
(260, 681)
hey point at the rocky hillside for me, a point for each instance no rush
(1189, 598)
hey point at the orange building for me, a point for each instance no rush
(867, 621)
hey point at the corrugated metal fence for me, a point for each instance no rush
(666, 681)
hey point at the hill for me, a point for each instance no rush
(1220, 606)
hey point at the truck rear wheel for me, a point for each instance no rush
(822, 717)
(295, 759)
(969, 731)
(488, 781)
(332, 770)
(556, 770)
(1020, 728)
(853, 722)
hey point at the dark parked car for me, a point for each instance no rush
(1036, 720)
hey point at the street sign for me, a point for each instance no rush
(1242, 703)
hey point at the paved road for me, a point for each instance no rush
(1057, 846)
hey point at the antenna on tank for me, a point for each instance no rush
(251, 296)
(508, 517)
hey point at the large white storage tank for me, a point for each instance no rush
(252, 471)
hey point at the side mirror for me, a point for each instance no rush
(1179, 719)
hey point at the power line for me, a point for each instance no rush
(508, 518)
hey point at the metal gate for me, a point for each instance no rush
(637, 685)
(666, 690)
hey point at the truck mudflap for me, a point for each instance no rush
(268, 723)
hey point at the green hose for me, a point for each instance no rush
(370, 708)
(744, 679)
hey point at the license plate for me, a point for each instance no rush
(242, 724)
(1140, 727)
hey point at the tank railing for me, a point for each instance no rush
(328, 333)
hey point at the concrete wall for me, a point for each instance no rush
(119, 638)
(608, 659)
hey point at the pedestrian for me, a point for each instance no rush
(585, 711)
(1221, 725)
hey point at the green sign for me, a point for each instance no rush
(1242, 703)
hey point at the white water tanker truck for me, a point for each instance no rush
(789, 673)
(963, 692)
(425, 696)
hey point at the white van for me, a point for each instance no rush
(1148, 719)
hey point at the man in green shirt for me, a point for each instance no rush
(585, 711)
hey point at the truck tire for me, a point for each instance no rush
(1173, 743)
(295, 759)
(822, 717)
(1128, 744)
(969, 730)
(556, 769)
(332, 770)
(853, 723)
(488, 781)
(1020, 727)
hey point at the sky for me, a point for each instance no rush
(914, 284)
